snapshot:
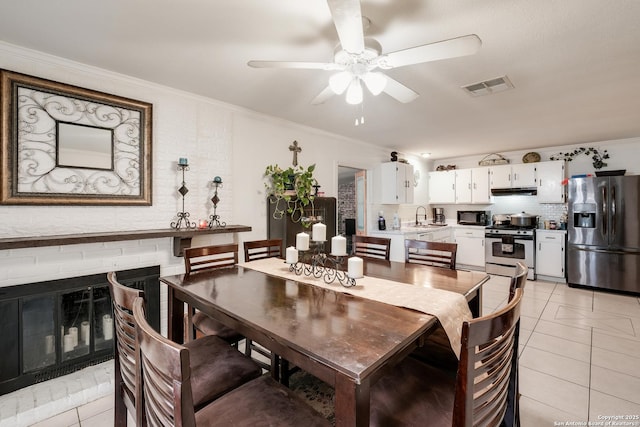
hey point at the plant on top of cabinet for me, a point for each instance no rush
(290, 189)
(597, 157)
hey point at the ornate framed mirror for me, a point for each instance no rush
(67, 145)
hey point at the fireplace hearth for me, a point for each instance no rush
(56, 327)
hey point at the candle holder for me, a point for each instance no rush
(215, 218)
(183, 216)
(318, 264)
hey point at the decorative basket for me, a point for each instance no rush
(493, 159)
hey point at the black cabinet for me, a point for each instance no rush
(286, 229)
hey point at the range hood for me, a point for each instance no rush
(519, 191)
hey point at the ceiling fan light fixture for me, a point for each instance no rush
(375, 81)
(354, 92)
(339, 82)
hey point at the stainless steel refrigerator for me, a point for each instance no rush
(603, 249)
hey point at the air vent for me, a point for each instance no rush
(487, 87)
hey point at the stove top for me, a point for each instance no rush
(509, 227)
(512, 230)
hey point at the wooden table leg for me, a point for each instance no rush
(352, 402)
(475, 304)
(175, 317)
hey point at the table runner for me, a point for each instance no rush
(450, 308)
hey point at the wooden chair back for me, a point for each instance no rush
(127, 391)
(482, 382)
(439, 254)
(371, 247)
(210, 257)
(259, 249)
(165, 376)
(518, 280)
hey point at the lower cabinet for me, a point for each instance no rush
(470, 247)
(550, 254)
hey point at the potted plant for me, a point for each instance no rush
(597, 157)
(290, 189)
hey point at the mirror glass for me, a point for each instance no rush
(85, 146)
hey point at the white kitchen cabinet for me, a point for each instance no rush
(396, 249)
(551, 176)
(472, 186)
(438, 235)
(396, 183)
(550, 254)
(442, 187)
(470, 246)
(513, 176)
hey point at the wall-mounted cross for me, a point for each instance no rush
(296, 149)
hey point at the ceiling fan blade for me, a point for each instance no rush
(323, 96)
(347, 18)
(329, 66)
(459, 46)
(400, 92)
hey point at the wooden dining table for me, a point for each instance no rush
(346, 341)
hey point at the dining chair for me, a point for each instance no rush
(371, 247)
(255, 250)
(474, 395)
(167, 378)
(207, 258)
(439, 254)
(126, 389)
(260, 249)
(216, 367)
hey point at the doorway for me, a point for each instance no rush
(351, 202)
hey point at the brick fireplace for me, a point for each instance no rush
(56, 327)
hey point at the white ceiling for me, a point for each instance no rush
(575, 64)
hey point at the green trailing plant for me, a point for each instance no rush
(290, 189)
(597, 157)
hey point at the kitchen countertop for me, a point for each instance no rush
(551, 231)
(426, 229)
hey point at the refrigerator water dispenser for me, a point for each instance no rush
(584, 215)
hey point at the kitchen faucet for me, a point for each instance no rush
(425, 214)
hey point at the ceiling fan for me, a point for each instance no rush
(358, 59)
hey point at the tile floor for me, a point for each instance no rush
(579, 360)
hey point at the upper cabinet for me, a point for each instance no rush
(465, 186)
(396, 183)
(521, 175)
(472, 186)
(551, 176)
(442, 187)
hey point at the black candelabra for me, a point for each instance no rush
(183, 216)
(318, 264)
(215, 218)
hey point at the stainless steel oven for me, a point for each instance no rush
(504, 247)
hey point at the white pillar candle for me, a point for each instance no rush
(67, 343)
(107, 327)
(319, 231)
(73, 331)
(355, 267)
(49, 344)
(338, 246)
(302, 241)
(292, 255)
(85, 332)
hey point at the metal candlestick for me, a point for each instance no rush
(215, 218)
(183, 217)
(318, 264)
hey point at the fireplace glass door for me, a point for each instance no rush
(38, 332)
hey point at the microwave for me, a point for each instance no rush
(474, 217)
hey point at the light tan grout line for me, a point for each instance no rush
(590, 369)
